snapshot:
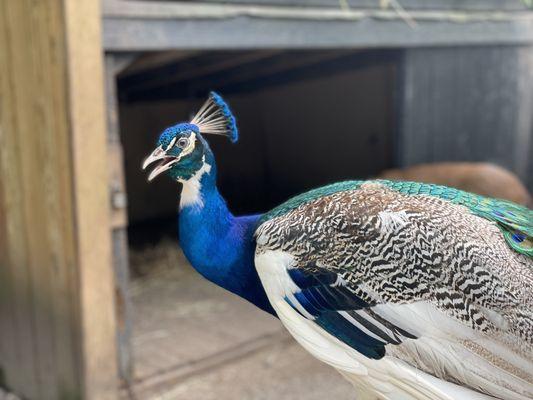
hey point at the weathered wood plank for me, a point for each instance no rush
(139, 26)
(150, 61)
(524, 143)
(54, 252)
(407, 4)
(52, 102)
(198, 67)
(53, 345)
(229, 69)
(91, 191)
(7, 310)
(124, 307)
(15, 66)
(471, 104)
(119, 222)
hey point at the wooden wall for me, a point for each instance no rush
(57, 326)
(468, 103)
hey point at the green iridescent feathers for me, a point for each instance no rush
(515, 222)
(309, 196)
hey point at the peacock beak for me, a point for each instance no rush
(165, 162)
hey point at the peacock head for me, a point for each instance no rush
(182, 151)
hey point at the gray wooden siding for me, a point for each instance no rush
(467, 104)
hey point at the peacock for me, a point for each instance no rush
(409, 290)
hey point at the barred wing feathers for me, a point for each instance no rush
(409, 293)
(515, 221)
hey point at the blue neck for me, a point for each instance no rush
(220, 246)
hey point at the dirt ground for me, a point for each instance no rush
(7, 396)
(193, 340)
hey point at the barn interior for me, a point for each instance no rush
(293, 109)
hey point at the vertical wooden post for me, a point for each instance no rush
(119, 220)
(57, 336)
(91, 193)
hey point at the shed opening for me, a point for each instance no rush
(306, 118)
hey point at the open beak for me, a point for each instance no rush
(165, 162)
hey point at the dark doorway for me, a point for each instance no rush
(306, 118)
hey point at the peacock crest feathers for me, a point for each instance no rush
(216, 118)
(515, 221)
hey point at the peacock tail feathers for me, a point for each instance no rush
(515, 221)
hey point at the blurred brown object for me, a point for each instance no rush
(482, 178)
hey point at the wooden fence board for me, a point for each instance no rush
(22, 366)
(91, 191)
(56, 313)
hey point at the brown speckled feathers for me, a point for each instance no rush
(390, 248)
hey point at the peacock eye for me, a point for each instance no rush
(182, 143)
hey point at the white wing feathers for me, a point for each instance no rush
(442, 347)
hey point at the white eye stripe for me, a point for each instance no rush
(183, 143)
(172, 143)
(189, 147)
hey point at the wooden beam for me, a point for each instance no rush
(179, 71)
(149, 61)
(163, 25)
(270, 71)
(475, 5)
(55, 254)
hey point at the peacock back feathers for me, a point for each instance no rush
(514, 221)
